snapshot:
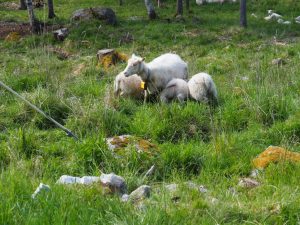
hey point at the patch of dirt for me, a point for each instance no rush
(8, 27)
(21, 28)
(9, 5)
(16, 6)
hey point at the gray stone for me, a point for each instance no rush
(248, 183)
(100, 13)
(106, 14)
(115, 183)
(172, 187)
(140, 193)
(82, 14)
(125, 198)
(194, 186)
(61, 34)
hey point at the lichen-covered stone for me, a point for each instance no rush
(118, 144)
(275, 154)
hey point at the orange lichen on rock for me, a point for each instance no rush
(109, 57)
(119, 144)
(275, 154)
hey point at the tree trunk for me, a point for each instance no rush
(243, 13)
(34, 23)
(22, 5)
(51, 13)
(150, 9)
(187, 3)
(158, 3)
(121, 2)
(179, 8)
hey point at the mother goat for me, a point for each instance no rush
(157, 73)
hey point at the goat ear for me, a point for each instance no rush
(133, 55)
(143, 59)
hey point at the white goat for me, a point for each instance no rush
(175, 89)
(202, 88)
(128, 86)
(157, 73)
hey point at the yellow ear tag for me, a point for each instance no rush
(143, 85)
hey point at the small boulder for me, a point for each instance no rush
(172, 187)
(101, 13)
(248, 183)
(140, 193)
(82, 14)
(61, 34)
(274, 154)
(86, 180)
(106, 14)
(109, 57)
(115, 183)
(194, 186)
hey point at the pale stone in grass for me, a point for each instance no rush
(115, 183)
(61, 34)
(86, 180)
(140, 193)
(248, 183)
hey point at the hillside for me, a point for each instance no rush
(259, 106)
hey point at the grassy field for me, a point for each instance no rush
(259, 106)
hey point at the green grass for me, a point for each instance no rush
(210, 146)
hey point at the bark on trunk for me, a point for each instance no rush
(150, 9)
(22, 5)
(158, 3)
(51, 13)
(243, 13)
(187, 3)
(179, 7)
(34, 23)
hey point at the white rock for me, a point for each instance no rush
(114, 182)
(125, 198)
(86, 180)
(281, 21)
(89, 180)
(40, 188)
(172, 187)
(297, 19)
(254, 173)
(66, 179)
